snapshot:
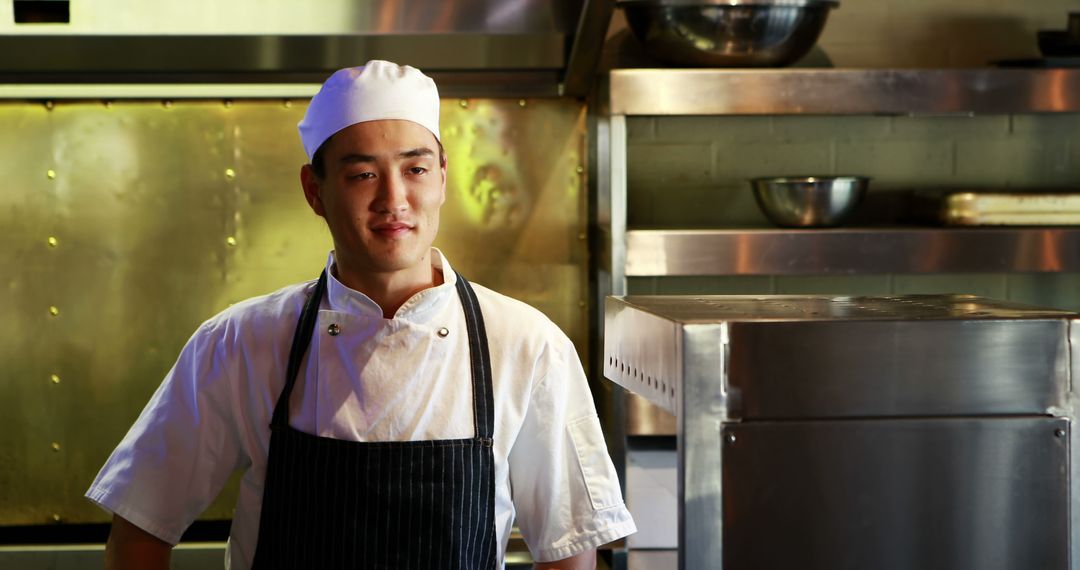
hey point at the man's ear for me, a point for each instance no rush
(442, 167)
(312, 185)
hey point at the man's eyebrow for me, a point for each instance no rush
(354, 158)
(420, 151)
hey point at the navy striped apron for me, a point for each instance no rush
(329, 503)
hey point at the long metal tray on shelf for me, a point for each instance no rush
(1009, 209)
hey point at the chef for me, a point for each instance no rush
(388, 414)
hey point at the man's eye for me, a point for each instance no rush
(417, 170)
(361, 176)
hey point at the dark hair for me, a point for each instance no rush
(318, 161)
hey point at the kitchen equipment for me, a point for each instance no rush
(727, 33)
(470, 47)
(809, 201)
(1057, 43)
(999, 208)
(814, 432)
(1061, 43)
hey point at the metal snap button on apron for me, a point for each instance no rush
(443, 332)
(333, 329)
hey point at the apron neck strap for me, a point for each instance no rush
(305, 326)
(483, 397)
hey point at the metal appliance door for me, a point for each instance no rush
(962, 493)
(899, 368)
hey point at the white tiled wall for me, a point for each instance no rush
(652, 497)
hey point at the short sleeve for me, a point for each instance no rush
(565, 489)
(179, 454)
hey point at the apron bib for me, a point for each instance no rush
(329, 503)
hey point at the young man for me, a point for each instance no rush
(388, 414)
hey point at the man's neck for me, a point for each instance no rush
(389, 290)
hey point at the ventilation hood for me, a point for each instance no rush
(488, 46)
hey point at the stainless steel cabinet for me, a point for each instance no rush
(891, 432)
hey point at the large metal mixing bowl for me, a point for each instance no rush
(727, 33)
(809, 201)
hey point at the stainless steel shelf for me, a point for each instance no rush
(843, 91)
(851, 251)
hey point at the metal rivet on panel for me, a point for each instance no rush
(230, 241)
(287, 104)
(55, 446)
(580, 169)
(444, 332)
(108, 104)
(52, 241)
(56, 517)
(49, 105)
(50, 174)
(227, 103)
(463, 103)
(1059, 432)
(333, 329)
(522, 103)
(167, 104)
(55, 379)
(582, 236)
(54, 311)
(731, 438)
(230, 173)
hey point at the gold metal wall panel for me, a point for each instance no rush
(515, 218)
(162, 214)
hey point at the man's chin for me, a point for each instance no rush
(397, 262)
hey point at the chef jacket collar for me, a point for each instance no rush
(418, 308)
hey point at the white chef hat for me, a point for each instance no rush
(377, 90)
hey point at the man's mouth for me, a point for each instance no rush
(392, 229)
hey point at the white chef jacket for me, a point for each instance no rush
(393, 380)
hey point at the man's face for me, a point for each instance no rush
(381, 195)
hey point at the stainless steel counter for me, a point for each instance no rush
(840, 432)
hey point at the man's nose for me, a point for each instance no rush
(392, 195)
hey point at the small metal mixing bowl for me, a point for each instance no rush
(727, 33)
(809, 201)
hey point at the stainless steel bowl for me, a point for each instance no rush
(809, 201)
(727, 33)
